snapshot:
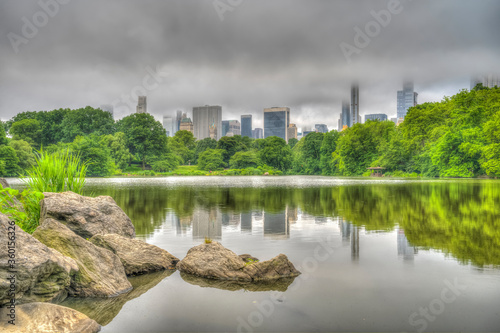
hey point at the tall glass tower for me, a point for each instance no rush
(406, 99)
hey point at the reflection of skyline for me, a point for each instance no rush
(207, 223)
(350, 235)
(405, 249)
(246, 221)
(277, 225)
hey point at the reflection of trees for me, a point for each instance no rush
(460, 218)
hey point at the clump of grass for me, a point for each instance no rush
(208, 240)
(26, 217)
(250, 261)
(57, 172)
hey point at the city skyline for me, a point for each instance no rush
(178, 55)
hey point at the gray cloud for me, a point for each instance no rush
(264, 53)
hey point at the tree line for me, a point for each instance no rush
(457, 137)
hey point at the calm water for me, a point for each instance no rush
(376, 255)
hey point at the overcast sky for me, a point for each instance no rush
(244, 55)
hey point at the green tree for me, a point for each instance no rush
(25, 154)
(11, 161)
(202, 145)
(86, 121)
(292, 142)
(3, 136)
(231, 145)
(117, 145)
(28, 130)
(328, 146)
(244, 159)
(276, 153)
(211, 160)
(93, 152)
(146, 137)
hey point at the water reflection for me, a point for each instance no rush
(459, 218)
(274, 285)
(103, 310)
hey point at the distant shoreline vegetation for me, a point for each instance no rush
(457, 137)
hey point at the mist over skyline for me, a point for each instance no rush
(243, 55)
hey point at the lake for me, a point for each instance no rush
(375, 254)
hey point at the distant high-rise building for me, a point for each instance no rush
(394, 120)
(292, 131)
(321, 128)
(304, 133)
(407, 98)
(489, 81)
(375, 116)
(108, 108)
(169, 124)
(205, 119)
(355, 117)
(178, 120)
(345, 116)
(234, 128)
(225, 127)
(246, 125)
(276, 122)
(258, 133)
(142, 106)
(186, 124)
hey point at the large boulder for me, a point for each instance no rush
(137, 256)
(101, 273)
(46, 317)
(41, 273)
(86, 216)
(214, 261)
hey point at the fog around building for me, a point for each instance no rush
(245, 55)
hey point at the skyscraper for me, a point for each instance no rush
(375, 116)
(178, 120)
(345, 116)
(234, 128)
(292, 132)
(491, 80)
(225, 127)
(258, 133)
(407, 98)
(276, 122)
(205, 119)
(355, 118)
(169, 124)
(142, 106)
(246, 125)
(321, 128)
(186, 124)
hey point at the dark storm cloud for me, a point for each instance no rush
(263, 53)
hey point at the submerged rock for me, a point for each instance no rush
(47, 317)
(214, 261)
(86, 216)
(101, 273)
(136, 256)
(41, 273)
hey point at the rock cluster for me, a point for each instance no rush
(214, 261)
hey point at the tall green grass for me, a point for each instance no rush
(56, 172)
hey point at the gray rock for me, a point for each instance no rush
(86, 216)
(42, 273)
(101, 273)
(47, 317)
(137, 256)
(214, 261)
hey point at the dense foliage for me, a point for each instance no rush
(457, 137)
